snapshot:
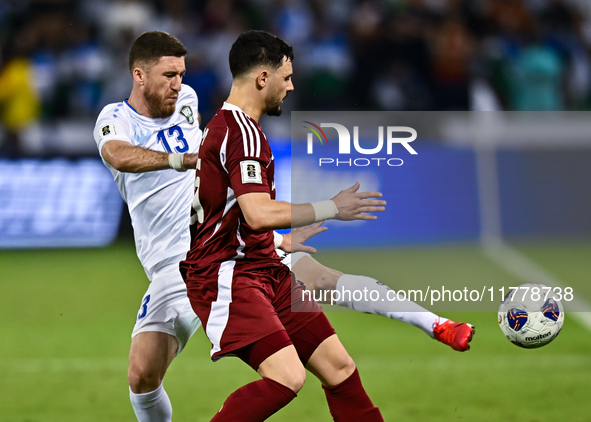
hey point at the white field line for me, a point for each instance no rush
(522, 267)
(32, 365)
(73, 364)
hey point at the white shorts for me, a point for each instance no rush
(290, 259)
(166, 308)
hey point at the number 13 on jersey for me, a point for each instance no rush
(175, 134)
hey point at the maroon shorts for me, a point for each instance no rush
(306, 340)
(243, 306)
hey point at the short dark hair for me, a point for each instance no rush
(150, 46)
(257, 48)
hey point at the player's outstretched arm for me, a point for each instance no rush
(263, 213)
(133, 159)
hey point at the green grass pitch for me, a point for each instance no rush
(66, 318)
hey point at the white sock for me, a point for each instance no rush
(405, 311)
(151, 407)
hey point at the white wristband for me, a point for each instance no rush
(277, 239)
(324, 210)
(175, 161)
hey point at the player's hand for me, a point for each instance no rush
(353, 205)
(190, 160)
(294, 240)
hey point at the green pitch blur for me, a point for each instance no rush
(66, 318)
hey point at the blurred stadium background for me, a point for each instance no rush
(499, 193)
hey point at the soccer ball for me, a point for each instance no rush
(531, 315)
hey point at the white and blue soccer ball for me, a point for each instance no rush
(531, 315)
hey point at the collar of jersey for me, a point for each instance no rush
(230, 106)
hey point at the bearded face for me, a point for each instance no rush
(273, 102)
(162, 84)
(157, 102)
(279, 86)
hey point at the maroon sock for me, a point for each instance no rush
(348, 402)
(254, 402)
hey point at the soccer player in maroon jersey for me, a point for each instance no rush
(248, 301)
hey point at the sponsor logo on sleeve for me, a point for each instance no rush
(107, 130)
(251, 171)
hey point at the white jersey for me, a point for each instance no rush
(159, 202)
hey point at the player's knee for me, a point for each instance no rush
(293, 379)
(344, 366)
(142, 379)
(296, 379)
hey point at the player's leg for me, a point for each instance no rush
(150, 355)
(324, 355)
(165, 323)
(284, 367)
(282, 373)
(320, 279)
(345, 395)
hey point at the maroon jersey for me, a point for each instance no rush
(235, 158)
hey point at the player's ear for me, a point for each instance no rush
(262, 79)
(138, 75)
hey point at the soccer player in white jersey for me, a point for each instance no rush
(149, 143)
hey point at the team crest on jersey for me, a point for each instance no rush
(251, 171)
(188, 113)
(107, 130)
